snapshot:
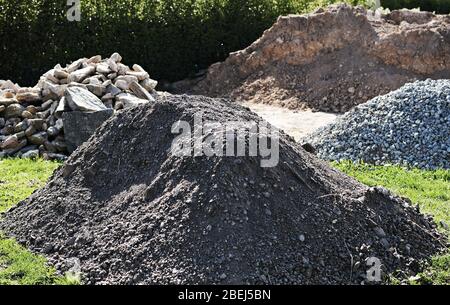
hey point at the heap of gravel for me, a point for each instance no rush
(132, 212)
(409, 126)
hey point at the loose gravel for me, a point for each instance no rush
(409, 126)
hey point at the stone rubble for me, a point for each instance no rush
(32, 120)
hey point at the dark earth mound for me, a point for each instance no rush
(133, 213)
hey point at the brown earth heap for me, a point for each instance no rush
(333, 59)
(132, 212)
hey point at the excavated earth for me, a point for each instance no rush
(331, 60)
(132, 212)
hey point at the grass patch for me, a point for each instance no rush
(18, 266)
(430, 189)
(20, 177)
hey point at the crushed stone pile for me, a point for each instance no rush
(332, 59)
(32, 119)
(409, 126)
(131, 212)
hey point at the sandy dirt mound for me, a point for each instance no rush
(132, 212)
(332, 60)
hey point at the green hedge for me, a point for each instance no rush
(438, 6)
(170, 38)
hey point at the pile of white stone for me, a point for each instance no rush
(32, 119)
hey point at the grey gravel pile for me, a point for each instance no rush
(409, 126)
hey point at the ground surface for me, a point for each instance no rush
(19, 178)
(430, 189)
(295, 123)
(427, 188)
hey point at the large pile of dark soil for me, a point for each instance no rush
(131, 212)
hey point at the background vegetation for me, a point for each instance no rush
(172, 39)
(169, 38)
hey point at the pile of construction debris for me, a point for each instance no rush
(61, 111)
(332, 59)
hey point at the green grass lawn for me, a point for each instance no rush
(19, 178)
(429, 189)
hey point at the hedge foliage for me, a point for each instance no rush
(438, 6)
(169, 38)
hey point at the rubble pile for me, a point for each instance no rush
(34, 121)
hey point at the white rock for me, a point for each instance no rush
(74, 84)
(28, 95)
(116, 57)
(81, 99)
(94, 59)
(57, 90)
(123, 69)
(98, 90)
(113, 90)
(93, 80)
(50, 76)
(7, 101)
(81, 74)
(112, 76)
(62, 106)
(149, 84)
(123, 82)
(59, 124)
(10, 85)
(140, 91)
(138, 68)
(129, 100)
(60, 74)
(112, 65)
(75, 65)
(139, 75)
(103, 68)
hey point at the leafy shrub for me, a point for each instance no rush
(169, 38)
